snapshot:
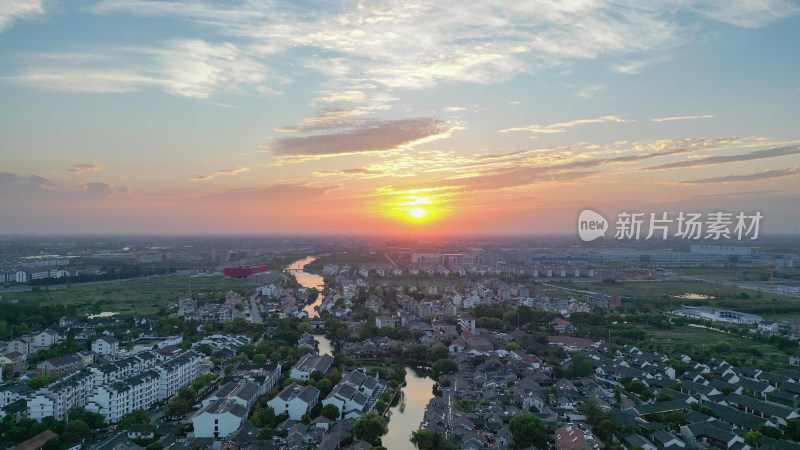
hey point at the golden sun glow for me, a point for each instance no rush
(414, 209)
(417, 213)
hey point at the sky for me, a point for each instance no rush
(398, 117)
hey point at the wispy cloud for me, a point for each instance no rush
(371, 137)
(454, 108)
(563, 126)
(191, 68)
(362, 173)
(8, 178)
(714, 160)
(630, 68)
(82, 168)
(589, 92)
(332, 118)
(765, 175)
(236, 171)
(667, 119)
(487, 43)
(13, 10)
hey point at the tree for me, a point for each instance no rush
(92, 419)
(134, 417)
(260, 358)
(370, 427)
(305, 327)
(437, 353)
(752, 437)
(325, 386)
(793, 430)
(528, 430)
(331, 411)
(418, 351)
(264, 417)
(592, 411)
(425, 440)
(204, 349)
(187, 395)
(443, 366)
(37, 382)
(579, 367)
(75, 430)
(177, 408)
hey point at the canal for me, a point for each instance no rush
(407, 415)
(309, 280)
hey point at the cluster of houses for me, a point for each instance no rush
(234, 307)
(716, 403)
(15, 354)
(112, 389)
(224, 413)
(346, 271)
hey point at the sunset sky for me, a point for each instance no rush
(403, 116)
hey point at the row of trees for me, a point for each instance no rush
(78, 426)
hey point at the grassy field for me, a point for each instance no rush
(141, 296)
(734, 349)
(667, 295)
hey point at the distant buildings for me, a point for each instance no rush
(718, 315)
(603, 301)
(243, 272)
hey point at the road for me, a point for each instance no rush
(390, 259)
(255, 310)
(450, 393)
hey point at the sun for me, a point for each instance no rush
(415, 210)
(418, 213)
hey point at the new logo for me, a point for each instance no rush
(591, 225)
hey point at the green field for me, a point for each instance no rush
(140, 297)
(665, 295)
(735, 349)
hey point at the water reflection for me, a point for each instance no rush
(309, 280)
(408, 414)
(324, 345)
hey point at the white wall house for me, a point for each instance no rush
(355, 394)
(114, 400)
(123, 368)
(177, 373)
(310, 363)
(219, 420)
(45, 338)
(106, 345)
(295, 400)
(57, 398)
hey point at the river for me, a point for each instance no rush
(409, 412)
(309, 280)
(407, 415)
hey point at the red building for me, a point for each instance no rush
(244, 272)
